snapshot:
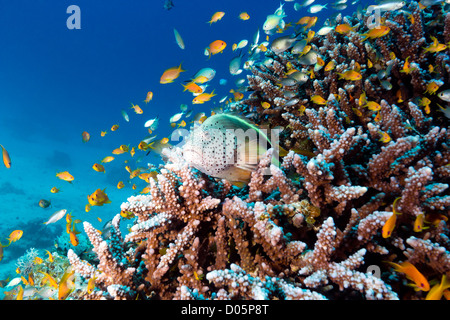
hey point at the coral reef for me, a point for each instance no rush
(371, 150)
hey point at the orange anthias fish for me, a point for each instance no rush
(15, 235)
(389, 225)
(85, 136)
(171, 74)
(65, 175)
(137, 109)
(351, 75)
(376, 32)
(98, 198)
(202, 98)
(344, 28)
(216, 47)
(6, 158)
(149, 97)
(411, 272)
(244, 16)
(407, 67)
(192, 87)
(216, 17)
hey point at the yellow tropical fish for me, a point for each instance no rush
(87, 208)
(65, 175)
(38, 260)
(103, 133)
(318, 100)
(6, 158)
(265, 105)
(91, 285)
(432, 87)
(437, 290)
(330, 65)
(54, 190)
(407, 67)
(350, 75)
(171, 74)
(120, 185)
(50, 279)
(98, 198)
(435, 46)
(14, 236)
(373, 106)
(118, 151)
(149, 97)
(115, 127)
(385, 137)
(376, 32)
(244, 16)
(202, 98)
(136, 109)
(66, 285)
(216, 17)
(50, 256)
(107, 159)
(98, 167)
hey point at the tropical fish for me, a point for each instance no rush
(168, 4)
(204, 75)
(14, 236)
(438, 289)
(385, 137)
(38, 260)
(316, 8)
(91, 285)
(330, 65)
(407, 67)
(318, 100)
(265, 105)
(98, 167)
(202, 98)
(107, 159)
(373, 106)
(56, 216)
(85, 136)
(281, 44)
(216, 47)
(44, 203)
(235, 65)
(272, 21)
(103, 133)
(149, 97)
(54, 190)
(118, 151)
(137, 109)
(207, 149)
(50, 279)
(152, 123)
(432, 87)
(411, 272)
(176, 117)
(98, 198)
(120, 185)
(66, 285)
(351, 75)
(171, 74)
(65, 175)
(344, 28)
(376, 32)
(324, 31)
(192, 87)
(6, 158)
(115, 127)
(444, 95)
(388, 6)
(435, 46)
(125, 115)
(216, 17)
(73, 237)
(244, 16)
(178, 39)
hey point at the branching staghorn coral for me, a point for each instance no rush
(311, 228)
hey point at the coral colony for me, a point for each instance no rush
(358, 207)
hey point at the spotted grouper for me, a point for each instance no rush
(226, 146)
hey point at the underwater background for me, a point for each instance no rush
(56, 83)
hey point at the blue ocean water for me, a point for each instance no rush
(56, 83)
